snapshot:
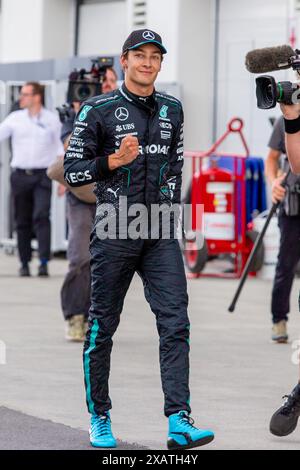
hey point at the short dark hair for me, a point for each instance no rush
(37, 89)
(125, 54)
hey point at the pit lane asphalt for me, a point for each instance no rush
(237, 375)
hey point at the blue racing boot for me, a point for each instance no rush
(100, 431)
(183, 435)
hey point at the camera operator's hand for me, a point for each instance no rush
(278, 191)
(128, 151)
(290, 111)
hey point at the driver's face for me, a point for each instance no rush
(142, 65)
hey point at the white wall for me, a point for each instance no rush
(163, 17)
(103, 28)
(21, 30)
(58, 28)
(245, 26)
(34, 30)
(194, 69)
(0, 33)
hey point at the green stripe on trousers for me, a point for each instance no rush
(93, 336)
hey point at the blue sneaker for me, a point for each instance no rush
(100, 431)
(183, 435)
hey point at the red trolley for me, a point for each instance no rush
(221, 192)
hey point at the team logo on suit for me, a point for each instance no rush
(122, 114)
(84, 111)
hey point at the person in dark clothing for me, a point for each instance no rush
(285, 419)
(80, 216)
(289, 225)
(130, 143)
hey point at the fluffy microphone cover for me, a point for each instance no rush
(268, 59)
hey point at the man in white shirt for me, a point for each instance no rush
(35, 134)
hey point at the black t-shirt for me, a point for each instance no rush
(290, 204)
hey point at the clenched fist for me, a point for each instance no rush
(128, 151)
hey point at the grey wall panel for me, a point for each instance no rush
(48, 69)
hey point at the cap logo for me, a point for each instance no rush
(148, 35)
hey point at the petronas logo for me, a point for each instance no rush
(83, 114)
(164, 111)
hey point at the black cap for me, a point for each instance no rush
(140, 37)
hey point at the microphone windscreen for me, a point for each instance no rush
(269, 59)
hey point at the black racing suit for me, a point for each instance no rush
(154, 177)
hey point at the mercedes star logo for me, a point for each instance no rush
(148, 35)
(122, 114)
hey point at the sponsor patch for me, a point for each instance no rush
(164, 111)
(165, 125)
(79, 177)
(84, 112)
(74, 155)
(77, 131)
(165, 135)
(125, 127)
(121, 114)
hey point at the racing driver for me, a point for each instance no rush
(130, 142)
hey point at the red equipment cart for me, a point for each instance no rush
(222, 194)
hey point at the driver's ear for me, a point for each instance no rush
(123, 61)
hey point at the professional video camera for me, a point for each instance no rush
(268, 92)
(85, 84)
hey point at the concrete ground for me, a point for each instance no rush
(237, 375)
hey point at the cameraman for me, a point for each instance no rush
(284, 420)
(291, 114)
(289, 225)
(80, 213)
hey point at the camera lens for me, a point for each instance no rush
(266, 92)
(269, 92)
(83, 92)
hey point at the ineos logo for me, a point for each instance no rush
(122, 114)
(148, 35)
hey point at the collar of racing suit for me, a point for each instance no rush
(146, 102)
